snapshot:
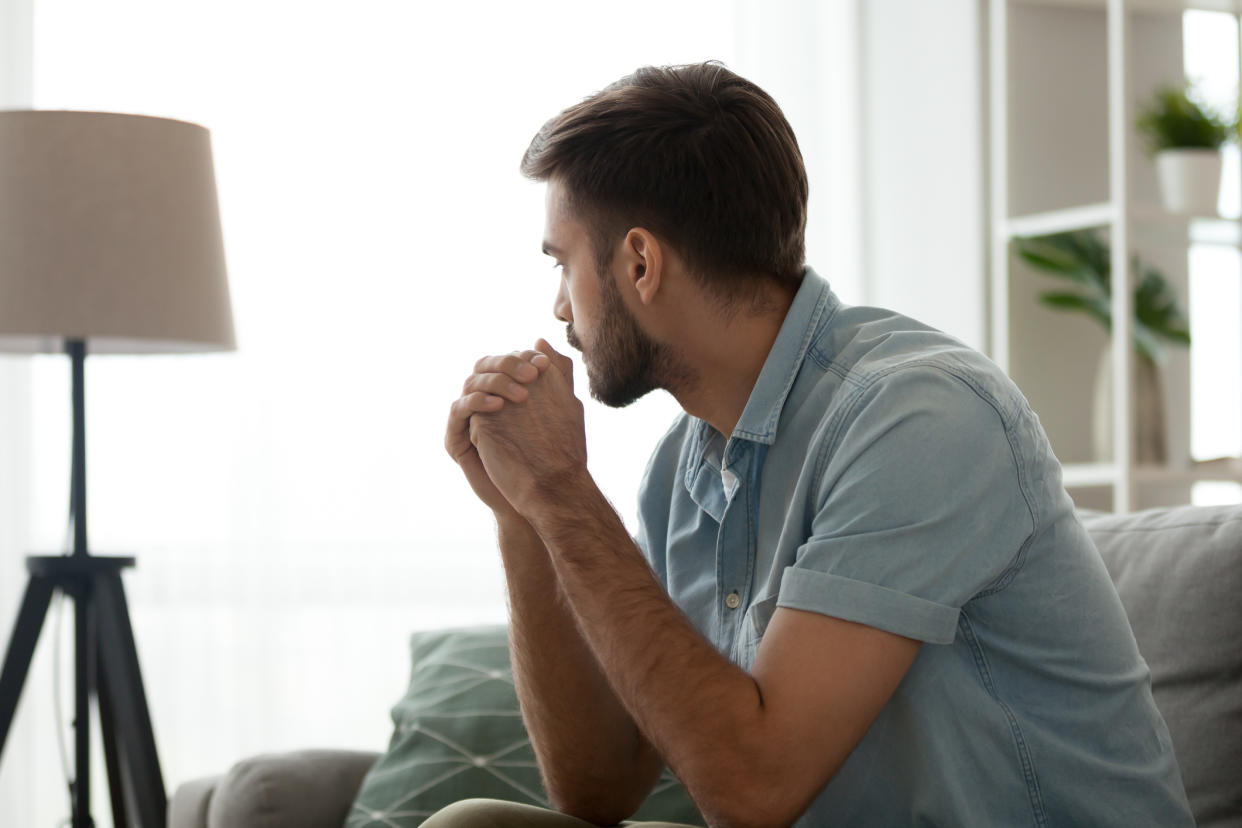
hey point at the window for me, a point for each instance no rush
(1211, 59)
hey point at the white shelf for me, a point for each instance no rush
(1203, 229)
(1059, 221)
(1086, 475)
(1146, 6)
(1078, 475)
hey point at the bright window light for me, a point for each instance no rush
(1211, 63)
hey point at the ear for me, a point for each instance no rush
(644, 258)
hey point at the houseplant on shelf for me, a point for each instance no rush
(1084, 258)
(1184, 136)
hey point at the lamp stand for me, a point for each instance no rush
(105, 657)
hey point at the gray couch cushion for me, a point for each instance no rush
(306, 788)
(1179, 574)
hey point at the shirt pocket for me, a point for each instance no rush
(751, 631)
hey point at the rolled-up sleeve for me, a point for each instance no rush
(921, 507)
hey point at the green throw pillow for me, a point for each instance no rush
(459, 735)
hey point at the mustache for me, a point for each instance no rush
(571, 336)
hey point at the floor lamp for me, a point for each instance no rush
(110, 243)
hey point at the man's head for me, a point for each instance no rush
(696, 154)
(693, 158)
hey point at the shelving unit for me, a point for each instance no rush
(1120, 215)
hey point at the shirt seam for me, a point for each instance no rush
(1034, 793)
(822, 303)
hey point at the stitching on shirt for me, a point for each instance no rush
(1036, 797)
(804, 346)
(814, 350)
(757, 457)
(1015, 565)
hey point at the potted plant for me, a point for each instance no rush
(1083, 258)
(1184, 136)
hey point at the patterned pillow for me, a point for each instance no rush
(459, 734)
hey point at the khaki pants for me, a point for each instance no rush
(491, 813)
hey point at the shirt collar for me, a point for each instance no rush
(763, 409)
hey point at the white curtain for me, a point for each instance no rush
(292, 510)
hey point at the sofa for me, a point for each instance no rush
(1178, 572)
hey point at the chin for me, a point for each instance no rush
(618, 395)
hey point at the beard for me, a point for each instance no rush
(623, 363)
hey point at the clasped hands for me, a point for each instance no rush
(517, 430)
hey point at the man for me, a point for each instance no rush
(859, 594)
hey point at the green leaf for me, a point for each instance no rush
(1093, 306)
(1175, 118)
(1085, 258)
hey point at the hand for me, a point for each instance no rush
(534, 450)
(496, 379)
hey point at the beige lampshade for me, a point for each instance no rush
(110, 233)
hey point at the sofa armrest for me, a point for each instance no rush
(306, 788)
(188, 806)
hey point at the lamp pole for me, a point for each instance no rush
(84, 662)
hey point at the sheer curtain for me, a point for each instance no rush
(291, 507)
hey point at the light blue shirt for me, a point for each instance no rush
(884, 473)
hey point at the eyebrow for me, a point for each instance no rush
(550, 250)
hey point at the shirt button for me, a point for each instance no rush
(733, 600)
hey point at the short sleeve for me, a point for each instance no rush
(920, 508)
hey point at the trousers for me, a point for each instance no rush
(492, 813)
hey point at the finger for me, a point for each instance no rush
(537, 359)
(512, 364)
(500, 385)
(459, 418)
(564, 363)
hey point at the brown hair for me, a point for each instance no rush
(695, 154)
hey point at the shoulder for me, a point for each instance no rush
(888, 395)
(878, 363)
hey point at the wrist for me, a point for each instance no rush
(564, 502)
(510, 525)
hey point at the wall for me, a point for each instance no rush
(923, 162)
(824, 34)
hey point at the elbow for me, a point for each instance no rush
(598, 804)
(597, 810)
(736, 812)
(742, 800)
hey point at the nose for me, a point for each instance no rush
(560, 306)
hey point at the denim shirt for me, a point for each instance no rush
(884, 473)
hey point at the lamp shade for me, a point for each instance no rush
(109, 233)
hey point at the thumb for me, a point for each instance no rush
(562, 362)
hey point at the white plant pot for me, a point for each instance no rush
(1189, 180)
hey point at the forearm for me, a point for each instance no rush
(702, 713)
(595, 762)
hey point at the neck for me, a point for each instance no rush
(726, 357)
